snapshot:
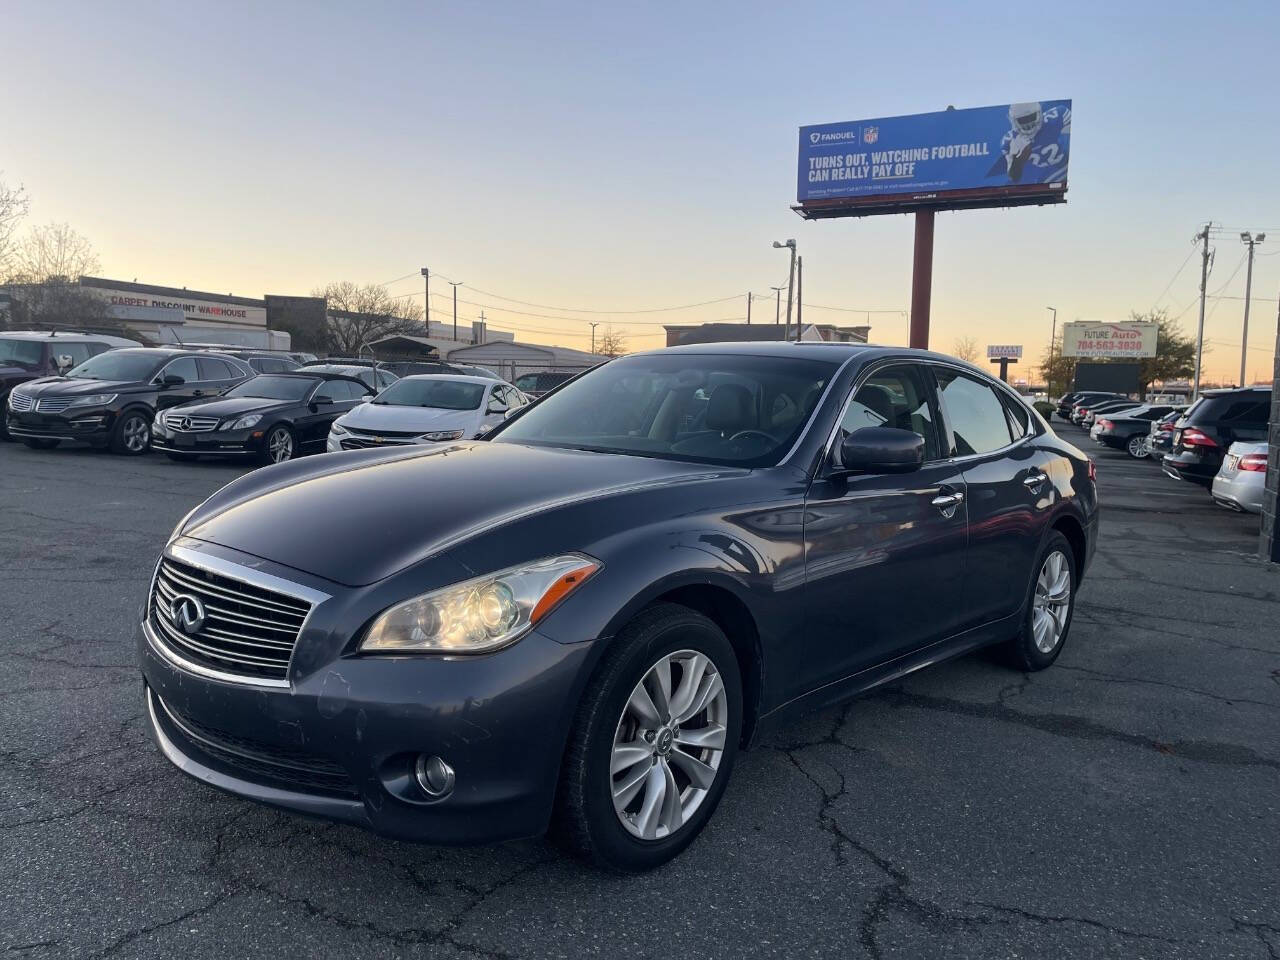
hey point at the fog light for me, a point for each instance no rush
(434, 776)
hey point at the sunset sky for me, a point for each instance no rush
(627, 158)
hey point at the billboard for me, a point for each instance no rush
(1108, 340)
(983, 156)
(1009, 350)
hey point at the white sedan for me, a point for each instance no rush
(432, 408)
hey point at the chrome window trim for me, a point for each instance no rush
(234, 571)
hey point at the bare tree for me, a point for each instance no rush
(54, 253)
(358, 315)
(966, 348)
(13, 208)
(611, 342)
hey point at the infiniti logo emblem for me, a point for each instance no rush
(187, 612)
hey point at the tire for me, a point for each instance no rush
(1024, 652)
(1137, 447)
(587, 821)
(5, 436)
(132, 434)
(279, 445)
(39, 443)
(180, 457)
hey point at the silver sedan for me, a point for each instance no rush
(1241, 477)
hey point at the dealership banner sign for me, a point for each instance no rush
(935, 156)
(1107, 340)
(1008, 351)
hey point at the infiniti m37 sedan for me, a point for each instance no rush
(576, 623)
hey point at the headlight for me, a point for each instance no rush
(94, 400)
(337, 429)
(244, 423)
(481, 614)
(441, 435)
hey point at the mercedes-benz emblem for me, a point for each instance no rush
(185, 423)
(187, 612)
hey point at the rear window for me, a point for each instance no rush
(1233, 408)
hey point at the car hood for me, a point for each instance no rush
(234, 406)
(75, 386)
(360, 517)
(371, 416)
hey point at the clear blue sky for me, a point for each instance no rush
(596, 155)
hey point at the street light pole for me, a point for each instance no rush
(777, 306)
(594, 324)
(1053, 338)
(426, 299)
(791, 280)
(455, 286)
(1248, 289)
(799, 294)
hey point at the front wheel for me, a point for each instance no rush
(1050, 603)
(278, 445)
(132, 435)
(653, 743)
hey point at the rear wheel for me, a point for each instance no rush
(39, 443)
(1139, 446)
(132, 435)
(1050, 603)
(653, 743)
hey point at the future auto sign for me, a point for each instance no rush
(1130, 341)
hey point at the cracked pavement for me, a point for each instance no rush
(1123, 803)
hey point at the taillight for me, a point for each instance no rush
(1254, 462)
(1093, 471)
(1165, 426)
(1191, 437)
(1104, 424)
(1084, 412)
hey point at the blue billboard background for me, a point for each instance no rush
(1010, 145)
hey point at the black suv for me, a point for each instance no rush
(536, 384)
(111, 399)
(273, 417)
(1210, 426)
(26, 355)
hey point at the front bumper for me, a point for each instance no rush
(90, 424)
(225, 443)
(340, 737)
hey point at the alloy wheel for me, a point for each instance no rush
(280, 445)
(1138, 447)
(1052, 602)
(136, 434)
(668, 744)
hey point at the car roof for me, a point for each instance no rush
(313, 374)
(1227, 391)
(67, 335)
(457, 377)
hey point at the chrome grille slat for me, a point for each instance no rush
(53, 404)
(21, 402)
(195, 424)
(248, 629)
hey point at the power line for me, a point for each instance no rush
(1191, 253)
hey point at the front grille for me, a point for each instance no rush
(190, 424)
(388, 434)
(247, 629)
(364, 443)
(21, 402)
(53, 404)
(284, 765)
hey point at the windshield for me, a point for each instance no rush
(274, 388)
(134, 365)
(20, 353)
(441, 394)
(723, 409)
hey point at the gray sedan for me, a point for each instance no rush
(1241, 477)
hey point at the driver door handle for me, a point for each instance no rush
(945, 501)
(1035, 482)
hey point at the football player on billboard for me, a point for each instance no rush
(1037, 138)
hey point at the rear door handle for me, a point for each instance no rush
(948, 501)
(1035, 482)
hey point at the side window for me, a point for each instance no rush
(979, 422)
(894, 397)
(184, 367)
(211, 368)
(346, 390)
(1016, 412)
(78, 352)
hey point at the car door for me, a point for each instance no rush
(312, 425)
(884, 554)
(217, 376)
(1008, 479)
(189, 389)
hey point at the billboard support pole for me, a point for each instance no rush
(922, 279)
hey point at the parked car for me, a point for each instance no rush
(27, 355)
(535, 385)
(111, 400)
(1128, 429)
(1087, 414)
(412, 368)
(1160, 439)
(377, 377)
(1069, 400)
(1242, 477)
(1217, 420)
(259, 359)
(273, 417)
(591, 611)
(426, 409)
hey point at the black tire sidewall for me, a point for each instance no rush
(265, 456)
(1026, 654)
(612, 846)
(117, 436)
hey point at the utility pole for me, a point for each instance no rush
(426, 299)
(1203, 237)
(594, 324)
(483, 329)
(455, 286)
(1248, 289)
(777, 306)
(799, 294)
(791, 281)
(749, 308)
(1053, 337)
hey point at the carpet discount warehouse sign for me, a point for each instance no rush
(1105, 340)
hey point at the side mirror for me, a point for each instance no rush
(881, 450)
(171, 380)
(64, 362)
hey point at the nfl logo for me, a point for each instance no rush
(870, 134)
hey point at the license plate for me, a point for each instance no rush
(183, 440)
(1232, 462)
(1177, 436)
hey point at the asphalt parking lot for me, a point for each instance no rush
(1122, 804)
